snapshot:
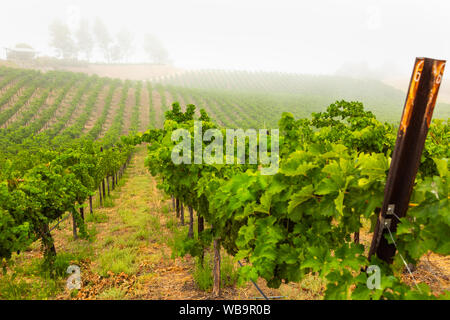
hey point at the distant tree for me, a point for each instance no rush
(155, 49)
(85, 42)
(124, 45)
(103, 39)
(61, 40)
(116, 53)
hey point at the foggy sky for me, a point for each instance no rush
(291, 36)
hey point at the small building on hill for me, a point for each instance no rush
(21, 52)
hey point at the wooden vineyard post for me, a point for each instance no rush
(178, 207)
(49, 245)
(103, 189)
(200, 228)
(191, 223)
(113, 181)
(201, 224)
(182, 214)
(100, 195)
(112, 178)
(74, 227)
(216, 270)
(356, 237)
(90, 205)
(415, 121)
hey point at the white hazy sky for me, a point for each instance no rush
(291, 36)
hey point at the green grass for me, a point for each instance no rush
(155, 224)
(114, 242)
(39, 288)
(112, 294)
(91, 232)
(127, 216)
(96, 217)
(141, 235)
(108, 202)
(228, 271)
(117, 260)
(203, 272)
(172, 224)
(165, 209)
(31, 280)
(108, 241)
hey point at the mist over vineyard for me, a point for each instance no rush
(93, 94)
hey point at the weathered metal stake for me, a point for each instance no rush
(415, 121)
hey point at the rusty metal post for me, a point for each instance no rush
(417, 112)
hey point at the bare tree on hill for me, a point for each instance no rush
(85, 42)
(123, 48)
(155, 49)
(61, 40)
(103, 39)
